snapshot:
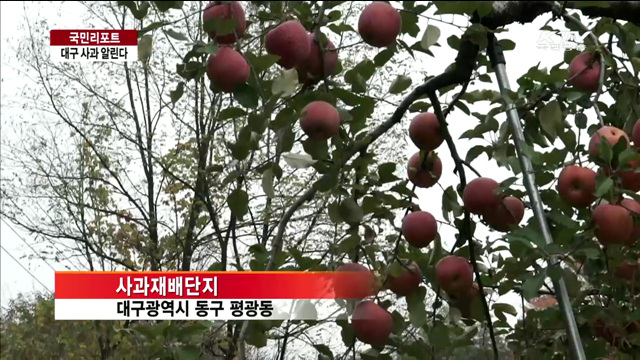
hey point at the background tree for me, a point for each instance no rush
(147, 166)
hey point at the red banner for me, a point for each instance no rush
(93, 37)
(209, 285)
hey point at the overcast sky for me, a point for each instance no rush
(15, 280)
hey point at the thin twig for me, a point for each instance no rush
(464, 233)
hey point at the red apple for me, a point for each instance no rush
(479, 195)
(290, 41)
(613, 224)
(628, 271)
(315, 62)
(469, 303)
(230, 10)
(371, 323)
(636, 135)
(379, 24)
(634, 209)
(407, 282)
(609, 332)
(631, 178)
(424, 131)
(227, 69)
(354, 287)
(584, 72)
(633, 327)
(454, 274)
(506, 215)
(320, 121)
(611, 133)
(577, 186)
(419, 228)
(427, 175)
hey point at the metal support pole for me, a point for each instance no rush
(498, 62)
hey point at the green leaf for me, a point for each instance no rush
(477, 34)
(430, 37)
(384, 56)
(386, 172)
(285, 84)
(395, 269)
(409, 22)
(501, 308)
(416, 307)
(340, 28)
(324, 350)
(450, 203)
(298, 161)
(262, 63)
(604, 188)
(257, 338)
(507, 44)
(189, 352)
(436, 252)
(246, 95)
(551, 119)
(474, 152)
(349, 243)
(219, 25)
(334, 212)
(327, 181)
(231, 113)
(150, 27)
(285, 139)
(532, 285)
(164, 6)
(138, 13)
(176, 35)
(177, 93)
(439, 336)
(484, 8)
(238, 202)
(216, 266)
(455, 7)
(562, 219)
(346, 333)
(400, 84)
(267, 183)
(351, 212)
(210, 48)
(572, 281)
(626, 157)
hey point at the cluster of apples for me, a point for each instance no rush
(379, 25)
(227, 68)
(479, 196)
(614, 334)
(613, 222)
(371, 323)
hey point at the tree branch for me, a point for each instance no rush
(465, 232)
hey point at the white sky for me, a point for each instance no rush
(15, 280)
